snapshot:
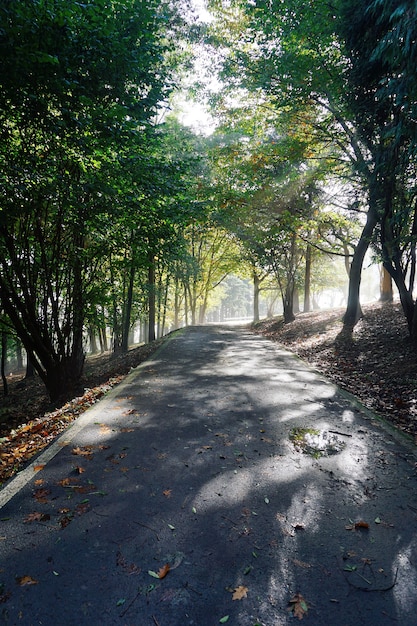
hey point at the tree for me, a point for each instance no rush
(381, 86)
(75, 81)
(292, 53)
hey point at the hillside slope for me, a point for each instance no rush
(378, 365)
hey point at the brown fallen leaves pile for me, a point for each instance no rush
(20, 444)
(27, 422)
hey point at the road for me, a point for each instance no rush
(224, 481)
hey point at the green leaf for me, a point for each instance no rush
(350, 568)
(224, 619)
(153, 574)
(377, 520)
(171, 526)
(121, 602)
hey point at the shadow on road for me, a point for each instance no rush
(189, 464)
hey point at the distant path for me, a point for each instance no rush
(189, 463)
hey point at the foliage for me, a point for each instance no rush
(77, 80)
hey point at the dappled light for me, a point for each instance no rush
(184, 493)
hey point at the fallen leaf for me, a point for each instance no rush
(79, 469)
(85, 452)
(361, 525)
(37, 517)
(240, 592)
(167, 493)
(301, 563)
(129, 568)
(26, 580)
(37, 468)
(66, 482)
(41, 495)
(163, 571)
(224, 619)
(64, 521)
(82, 508)
(298, 606)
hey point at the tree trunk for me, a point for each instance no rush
(287, 303)
(93, 340)
(386, 294)
(296, 301)
(30, 370)
(353, 311)
(151, 298)
(307, 281)
(62, 377)
(3, 362)
(176, 303)
(19, 354)
(127, 308)
(256, 290)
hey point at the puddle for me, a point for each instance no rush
(316, 443)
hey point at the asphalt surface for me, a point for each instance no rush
(191, 470)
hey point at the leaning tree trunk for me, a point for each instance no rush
(353, 311)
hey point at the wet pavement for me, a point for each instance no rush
(224, 481)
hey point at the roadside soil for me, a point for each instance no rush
(28, 420)
(378, 365)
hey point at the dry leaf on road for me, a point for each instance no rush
(26, 580)
(298, 606)
(240, 592)
(163, 571)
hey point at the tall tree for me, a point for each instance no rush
(293, 52)
(76, 81)
(382, 89)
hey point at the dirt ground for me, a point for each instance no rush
(378, 366)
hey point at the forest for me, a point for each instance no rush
(120, 219)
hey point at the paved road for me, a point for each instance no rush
(189, 464)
